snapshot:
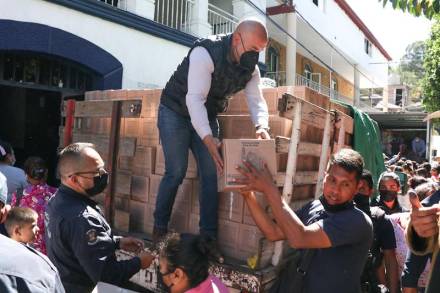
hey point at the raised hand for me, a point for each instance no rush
(424, 220)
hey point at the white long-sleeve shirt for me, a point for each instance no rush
(200, 71)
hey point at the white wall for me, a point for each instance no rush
(147, 61)
(339, 29)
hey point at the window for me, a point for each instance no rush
(368, 47)
(45, 71)
(308, 71)
(399, 96)
(320, 4)
(273, 60)
(334, 84)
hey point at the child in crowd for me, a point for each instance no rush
(435, 172)
(21, 225)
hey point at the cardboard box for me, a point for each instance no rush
(191, 171)
(240, 241)
(235, 151)
(144, 161)
(122, 202)
(228, 237)
(179, 220)
(194, 220)
(150, 104)
(149, 133)
(123, 182)
(130, 127)
(230, 206)
(141, 164)
(251, 243)
(306, 94)
(237, 104)
(241, 126)
(141, 217)
(139, 188)
(122, 221)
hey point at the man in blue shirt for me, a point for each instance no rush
(332, 227)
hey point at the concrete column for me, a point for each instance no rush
(242, 9)
(385, 100)
(428, 140)
(291, 49)
(357, 91)
(144, 8)
(200, 26)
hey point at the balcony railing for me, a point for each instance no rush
(174, 13)
(278, 76)
(301, 80)
(178, 14)
(221, 22)
(121, 4)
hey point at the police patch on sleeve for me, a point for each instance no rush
(92, 237)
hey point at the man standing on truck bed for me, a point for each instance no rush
(214, 69)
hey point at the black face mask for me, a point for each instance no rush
(99, 184)
(248, 59)
(388, 195)
(337, 207)
(362, 202)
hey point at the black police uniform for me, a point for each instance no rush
(81, 244)
(23, 269)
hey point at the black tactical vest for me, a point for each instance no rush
(227, 78)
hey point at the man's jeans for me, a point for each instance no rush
(177, 137)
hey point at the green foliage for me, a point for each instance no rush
(411, 69)
(431, 80)
(428, 8)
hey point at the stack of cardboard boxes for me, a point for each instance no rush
(141, 167)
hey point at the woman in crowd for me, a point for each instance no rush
(15, 177)
(184, 262)
(36, 195)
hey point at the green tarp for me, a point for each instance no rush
(366, 141)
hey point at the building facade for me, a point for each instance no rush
(51, 50)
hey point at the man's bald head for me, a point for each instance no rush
(252, 27)
(75, 158)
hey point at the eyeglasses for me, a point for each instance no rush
(100, 172)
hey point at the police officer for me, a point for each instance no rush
(79, 240)
(214, 69)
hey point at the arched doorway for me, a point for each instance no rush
(32, 87)
(39, 67)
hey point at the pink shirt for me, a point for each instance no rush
(211, 285)
(36, 197)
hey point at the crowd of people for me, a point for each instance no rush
(348, 240)
(358, 236)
